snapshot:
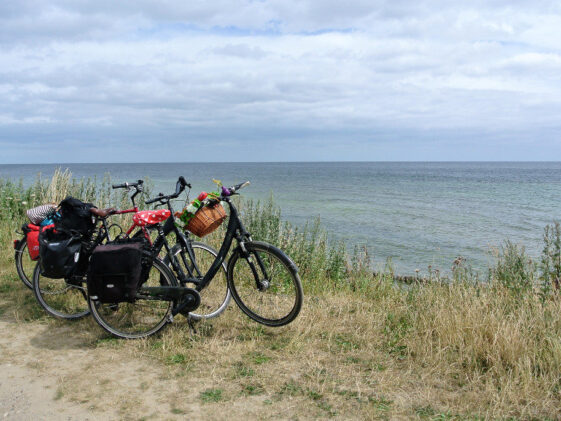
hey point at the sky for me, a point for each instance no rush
(279, 80)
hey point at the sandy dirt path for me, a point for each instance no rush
(31, 373)
(231, 368)
(53, 373)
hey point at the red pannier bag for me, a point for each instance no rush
(32, 236)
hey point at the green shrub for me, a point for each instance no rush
(514, 269)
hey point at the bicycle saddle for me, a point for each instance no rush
(103, 213)
(151, 217)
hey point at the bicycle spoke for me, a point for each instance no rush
(58, 297)
(216, 296)
(140, 318)
(265, 285)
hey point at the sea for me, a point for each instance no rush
(417, 214)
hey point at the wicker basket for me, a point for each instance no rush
(206, 220)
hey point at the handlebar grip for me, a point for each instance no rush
(228, 191)
(184, 182)
(127, 185)
(242, 185)
(180, 187)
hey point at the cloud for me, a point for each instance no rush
(286, 74)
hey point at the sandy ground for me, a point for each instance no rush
(52, 370)
(52, 373)
(31, 370)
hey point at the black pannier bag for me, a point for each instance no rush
(116, 272)
(75, 215)
(59, 253)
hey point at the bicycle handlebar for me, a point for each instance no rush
(127, 185)
(159, 197)
(228, 191)
(179, 188)
(184, 182)
(181, 184)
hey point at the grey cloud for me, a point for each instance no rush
(62, 19)
(371, 71)
(240, 50)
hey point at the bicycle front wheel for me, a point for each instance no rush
(265, 284)
(24, 264)
(141, 318)
(59, 298)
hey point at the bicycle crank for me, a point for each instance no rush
(189, 302)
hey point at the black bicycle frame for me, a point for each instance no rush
(235, 230)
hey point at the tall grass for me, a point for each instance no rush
(15, 199)
(451, 348)
(498, 338)
(317, 257)
(323, 262)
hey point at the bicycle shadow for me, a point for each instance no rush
(67, 336)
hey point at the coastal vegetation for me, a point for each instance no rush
(460, 346)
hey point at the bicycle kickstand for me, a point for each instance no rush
(191, 324)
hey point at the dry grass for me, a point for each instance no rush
(433, 351)
(362, 348)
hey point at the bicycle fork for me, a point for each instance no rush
(260, 284)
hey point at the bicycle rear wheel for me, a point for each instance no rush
(141, 318)
(216, 296)
(265, 284)
(24, 264)
(59, 298)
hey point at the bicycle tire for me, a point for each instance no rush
(59, 298)
(213, 298)
(24, 263)
(281, 294)
(118, 319)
